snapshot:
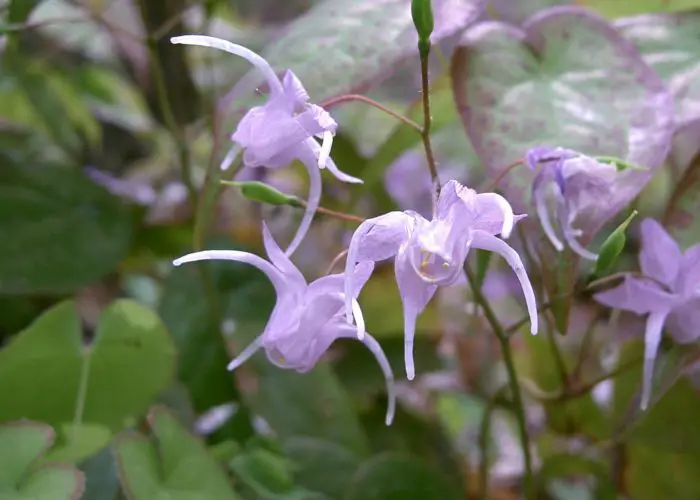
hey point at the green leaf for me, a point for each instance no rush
(177, 466)
(358, 40)
(263, 193)
(78, 442)
(21, 446)
(53, 102)
(50, 375)
(61, 230)
(612, 247)
(670, 365)
(663, 453)
(266, 473)
(394, 477)
(321, 465)
(19, 10)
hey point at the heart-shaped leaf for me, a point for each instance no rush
(49, 374)
(341, 45)
(21, 446)
(670, 43)
(541, 86)
(60, 231)
(394, 477)
(177, 467)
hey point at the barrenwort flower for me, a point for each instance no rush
(307, 318)
(577, 184)
(432, 253)
(670, 295)
(281, 130)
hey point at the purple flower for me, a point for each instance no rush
(282, 130)
(670, 296)
(577, 184)
(432, 253)
(307, 318)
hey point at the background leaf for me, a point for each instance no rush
(545, 90)
(393, 477)
(177, 467)
(361, 41)
(61, 231)
(21, 445)
(670, 44)
(50, 375)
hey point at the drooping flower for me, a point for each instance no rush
(431, 253)
(281, 130)
(307, 318)
(577, 184)
(669, 295)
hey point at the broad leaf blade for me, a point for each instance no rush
(670, 44)
(358, 41)
(517, 89)
(60, 230)
(49, 375)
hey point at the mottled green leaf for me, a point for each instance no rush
(358, 42)
(670, 44)
(50, 374)
(539, 86)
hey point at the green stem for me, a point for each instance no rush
(171, 123)
(507, 352)
(427, 123)
(484, 433)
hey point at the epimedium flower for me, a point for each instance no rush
(307, 317)
(431, 253)
(668, 293)
(282, 130)
(576, 183)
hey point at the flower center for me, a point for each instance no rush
(432, 267)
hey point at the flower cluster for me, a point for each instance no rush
(428, 254)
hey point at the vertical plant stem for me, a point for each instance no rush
(484, 433)
(507, 353)
(427, 123)
(82, 390)
(170, 121)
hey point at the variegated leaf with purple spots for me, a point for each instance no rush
(341, 45)
(568, 79)
(670, 43)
